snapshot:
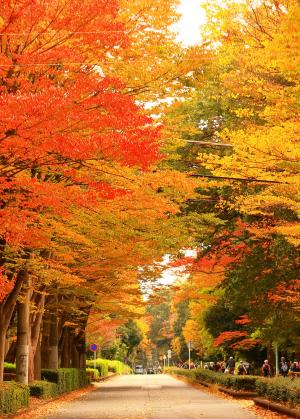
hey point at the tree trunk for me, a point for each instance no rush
(53, 342)
(38, 361)
(11, 353)
(6, 313)
(2, 347)
(35, 321)
(65, 352)
(45, 342)
(23, 337)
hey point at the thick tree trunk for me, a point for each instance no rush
(65, 350)
(53, 342)
(74, 357)
(23, 337)
(6, 313)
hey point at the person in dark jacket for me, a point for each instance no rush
(230, 365)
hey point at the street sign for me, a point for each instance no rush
(93, 347)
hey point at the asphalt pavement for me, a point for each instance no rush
(150, 397)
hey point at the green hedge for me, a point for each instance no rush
(93, 373)
(101, 366)
(236, 382)
(43, 389)
(280, 389)
(67, 379)
(106, 365)
(13, 396)
(8, 367)
(118, 367)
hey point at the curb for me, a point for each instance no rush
(238, 394)
(294, 413)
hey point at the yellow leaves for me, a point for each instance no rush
(242, 113)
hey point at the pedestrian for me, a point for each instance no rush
(294, 367)
(283, 367)
(247, 367)
(230, 365)
(241, 369)
(223, 366)
(266, 369)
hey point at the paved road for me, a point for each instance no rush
(150, 397)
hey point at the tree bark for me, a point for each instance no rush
(53, 336)
(45, 341)
(35, 322)
(6, 312)
(38, 361)
(65, 349)
(23, 336)
(11, 353)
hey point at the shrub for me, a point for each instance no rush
(279, 389)
(8, 367)
(118, 367)
(107, 365)
(67, 379)
(93, 373)
(101, 366)
(237, 382)
(13, 396)
(43, 389)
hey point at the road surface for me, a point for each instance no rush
(149, 397)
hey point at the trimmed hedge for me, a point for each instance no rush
(277, 389)
(280, 389)
(13, 396)
(67, 379)
(107, 365)
(101, 366)
(118, 367)
(236, 382)
(43, 389)
(8, 367)
(93, 374)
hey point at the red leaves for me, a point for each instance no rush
(228, 336)
(243, 320)
(5, 285)
(53, 119)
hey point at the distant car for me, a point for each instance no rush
(138, 369)
(150, 370)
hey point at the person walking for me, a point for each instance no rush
(283, 367)
(266, 369)
(230, 365)
(241, 369)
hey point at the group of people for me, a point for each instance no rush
(243, 368)
(284, 367)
